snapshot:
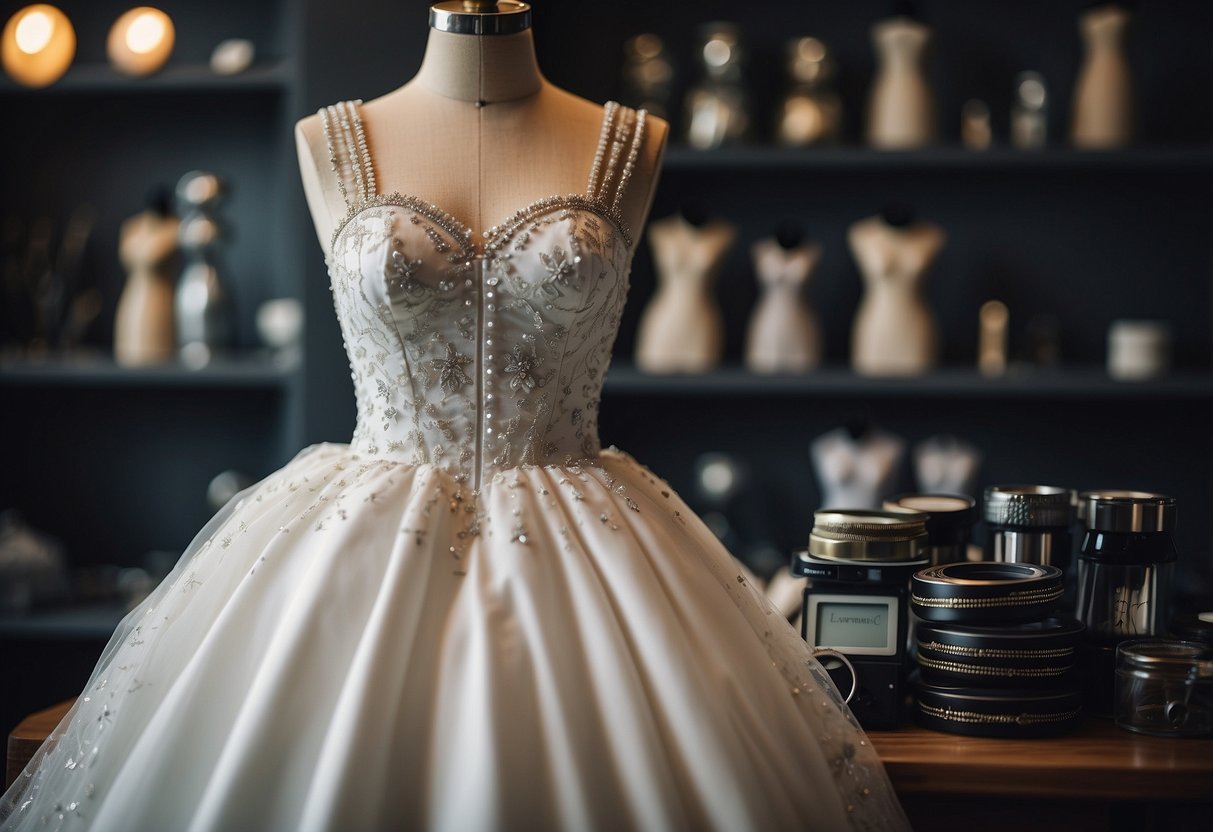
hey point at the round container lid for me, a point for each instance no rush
(1188, 659)
(1030, 506)
(1126, 511)
(868, 535)
(950, 516)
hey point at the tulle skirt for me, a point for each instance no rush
(360, 644)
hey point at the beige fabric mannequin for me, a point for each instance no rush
(144, 331)
(1103, 96)
(480, 133)
(681, 330)
(894, 330)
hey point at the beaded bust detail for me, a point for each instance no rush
(477, 359)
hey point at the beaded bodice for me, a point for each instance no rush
(478, 355)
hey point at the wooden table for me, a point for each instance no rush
(1098, 778)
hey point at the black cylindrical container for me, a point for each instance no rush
(949, 522)
(1124, 579)
(985, 593)
(1035, 654)
(1124, 568)
(1029, 524)
(1003, 713)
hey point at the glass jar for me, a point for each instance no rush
(1124, 568)
(1165, 688)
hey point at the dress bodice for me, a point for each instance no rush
(471, 354)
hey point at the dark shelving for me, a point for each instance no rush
(253, 371)
(782, 159)
(1084, 384)
(177, 79)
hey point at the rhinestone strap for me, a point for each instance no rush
(630, 165)
(604, 136)
(618, 140)
(364, 153)
(347, 133)
(328, 116)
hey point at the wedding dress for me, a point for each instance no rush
(470, 617)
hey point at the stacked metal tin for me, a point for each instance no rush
(994, 658)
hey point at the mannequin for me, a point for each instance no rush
(1103, 95)
(784, 335)
(901, 111)
(478, 131)
(946, 465)
(681, 330)
(856, 465)
(894, 330)
(148, 248)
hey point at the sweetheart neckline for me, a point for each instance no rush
(493, 237)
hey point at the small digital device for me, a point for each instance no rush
(856, 602)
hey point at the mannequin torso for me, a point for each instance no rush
(894, 330)
(681, 329)
(856, 471)
(480, 133)
(144, 331)
(783, 335)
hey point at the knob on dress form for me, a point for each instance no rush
(474, 17)
(681, 330)
(784, 335)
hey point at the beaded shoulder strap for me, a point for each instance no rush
(349, 155)
(620, 140)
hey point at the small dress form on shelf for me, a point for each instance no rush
(1103, 96)
(149, 250)
(856, 465)
(784, 335)
(681, 330)
(894, 331)
(901, 109)
(946, 465)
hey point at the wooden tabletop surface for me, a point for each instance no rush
(1098, 761)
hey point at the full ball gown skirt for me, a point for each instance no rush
(471, 617)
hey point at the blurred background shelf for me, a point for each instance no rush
(1077, 383)
(254, 370)
(679, 158)
(100, 78)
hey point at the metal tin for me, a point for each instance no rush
(1029, 523)
(868, 535)
(1033, 654)
(1003, 713)
(950, 519)
(1135, 512)
(984, 592)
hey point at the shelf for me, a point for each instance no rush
(94, 622)
(1073, 384)
(763, 158)
(255, 371)
(182, 78)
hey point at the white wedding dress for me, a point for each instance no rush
(470, 617)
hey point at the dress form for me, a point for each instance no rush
(784, 335)
(1103, 98)
(894, 330)
(946, 465)
(143, 327)
(681, 330)
(856, 466)
(901, 111)
(478, 131)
